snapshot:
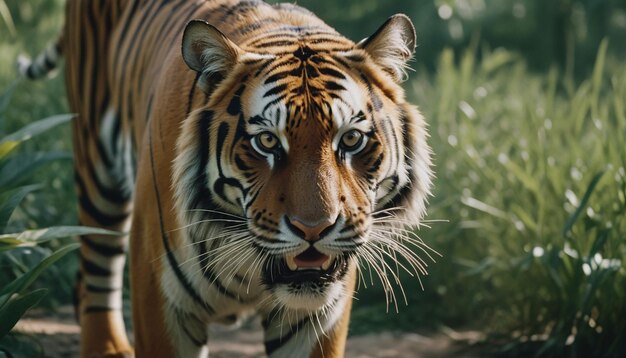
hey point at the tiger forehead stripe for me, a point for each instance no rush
(302, 34)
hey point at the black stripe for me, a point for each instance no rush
(202, 195)
(140, 31)
(89, 208)
(104, 250)
(277, 77)
(376, 165)
(234, 107)
(129, 19)
(174, 14)
(334, 86)
(276, 64)
(120, 194)
(279, 43)
(98, 309)
(402, 196)
(98, 289)
(406, 131)
(258, 120)
(241, 165)
(93, 269)
(275, 90)
(220, 184)
(331, 72)
(165, 238)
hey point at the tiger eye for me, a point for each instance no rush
(351, 139)
(267, 141)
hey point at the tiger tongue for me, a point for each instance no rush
(311, 258)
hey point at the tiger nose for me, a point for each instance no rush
(311, 231)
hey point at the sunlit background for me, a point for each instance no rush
(526, 103)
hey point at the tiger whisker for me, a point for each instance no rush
(416, 263)
(218, 212)
(227, 268)
(233, 264)
(386, 267)
(400, 243)
(204, 221)
(410, 237)
(396, 261)
(234, 233)
(367, 255)
(234, 245)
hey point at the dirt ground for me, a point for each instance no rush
(59, 336)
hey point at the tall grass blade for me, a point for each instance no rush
(583, 203)
(7, 17)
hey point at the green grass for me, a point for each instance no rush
(530, 176)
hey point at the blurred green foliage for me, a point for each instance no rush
(527, 111)
(527, 250)
(562, 32)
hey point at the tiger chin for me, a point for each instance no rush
(259, 158)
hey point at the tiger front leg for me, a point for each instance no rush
(165, 304)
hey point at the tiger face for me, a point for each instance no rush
(305, 151)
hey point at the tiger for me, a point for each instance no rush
(256, 157)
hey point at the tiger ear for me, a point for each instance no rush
(208, 51)
(392, 45)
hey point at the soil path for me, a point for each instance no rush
(59, 336)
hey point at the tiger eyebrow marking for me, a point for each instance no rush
(359, 117)
(258, 120)
(276, 90)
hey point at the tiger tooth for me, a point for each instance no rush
(327, 263)
(291, 263)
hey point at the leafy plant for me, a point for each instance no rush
(16, 297)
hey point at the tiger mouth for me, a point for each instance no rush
(310, 259)
(309, 267)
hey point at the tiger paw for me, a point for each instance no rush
(103, 335)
